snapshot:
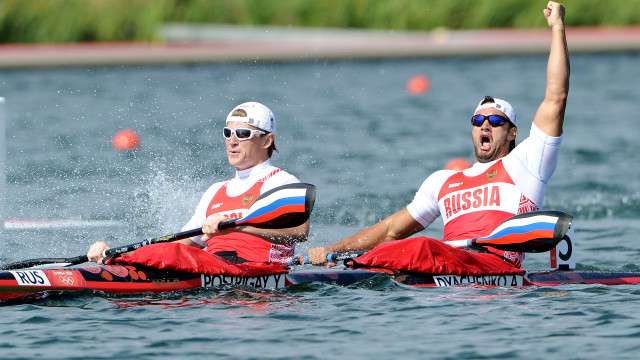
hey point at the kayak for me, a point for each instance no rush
(189, 268)
(347, 277)
(34, 283)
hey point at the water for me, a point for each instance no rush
(349, 128)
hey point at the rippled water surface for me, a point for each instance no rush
(350, 128)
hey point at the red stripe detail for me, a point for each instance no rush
(518, 238)
(137, 287)
(288, 209)
(553, 258)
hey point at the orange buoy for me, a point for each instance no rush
(418, 84)
(457, 164)
(125, 140)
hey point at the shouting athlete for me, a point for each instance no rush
(249, 133)
(505, 180)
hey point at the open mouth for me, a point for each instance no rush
(485, 143)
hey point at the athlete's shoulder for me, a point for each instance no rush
(214, 188)
(431, 186)
(537, 138)
(278, 178)
(439, 177)
(284, 175)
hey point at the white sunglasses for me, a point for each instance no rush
(241, 134)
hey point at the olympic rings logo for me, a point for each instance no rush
(67, 280)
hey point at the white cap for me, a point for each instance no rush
(505, 107)
(258, 115)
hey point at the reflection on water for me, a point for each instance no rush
(253, 301)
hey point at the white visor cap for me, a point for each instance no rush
(498, 104)
(258, 115)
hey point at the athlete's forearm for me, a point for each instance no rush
(397, 226)
(365, 239)
(558, 67)
(550, 115)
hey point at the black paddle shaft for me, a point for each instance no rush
(131, 247)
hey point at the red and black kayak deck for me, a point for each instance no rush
(127, 279)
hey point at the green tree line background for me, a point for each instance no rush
(58, 21)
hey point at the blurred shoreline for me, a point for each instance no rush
(188, 44)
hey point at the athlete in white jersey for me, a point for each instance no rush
(249, 133)
(231, 199)
(501, 184)
(476, 200)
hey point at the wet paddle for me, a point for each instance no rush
(532, 232)
(282, 207)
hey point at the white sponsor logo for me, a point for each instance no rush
(67, 280)
(487, 280)
(455, 185)
(214, 206)
(31, 278)
(501, 197)
(267, 281)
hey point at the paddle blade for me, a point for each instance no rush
(537, 231)
(283, 207)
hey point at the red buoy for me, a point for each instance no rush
(457, 164)
(125, 140)
(418, 84)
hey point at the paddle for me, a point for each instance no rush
(331, 257)
(532, 232)
(282, 207)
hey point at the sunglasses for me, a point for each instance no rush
(494, 120)
(241, 134)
